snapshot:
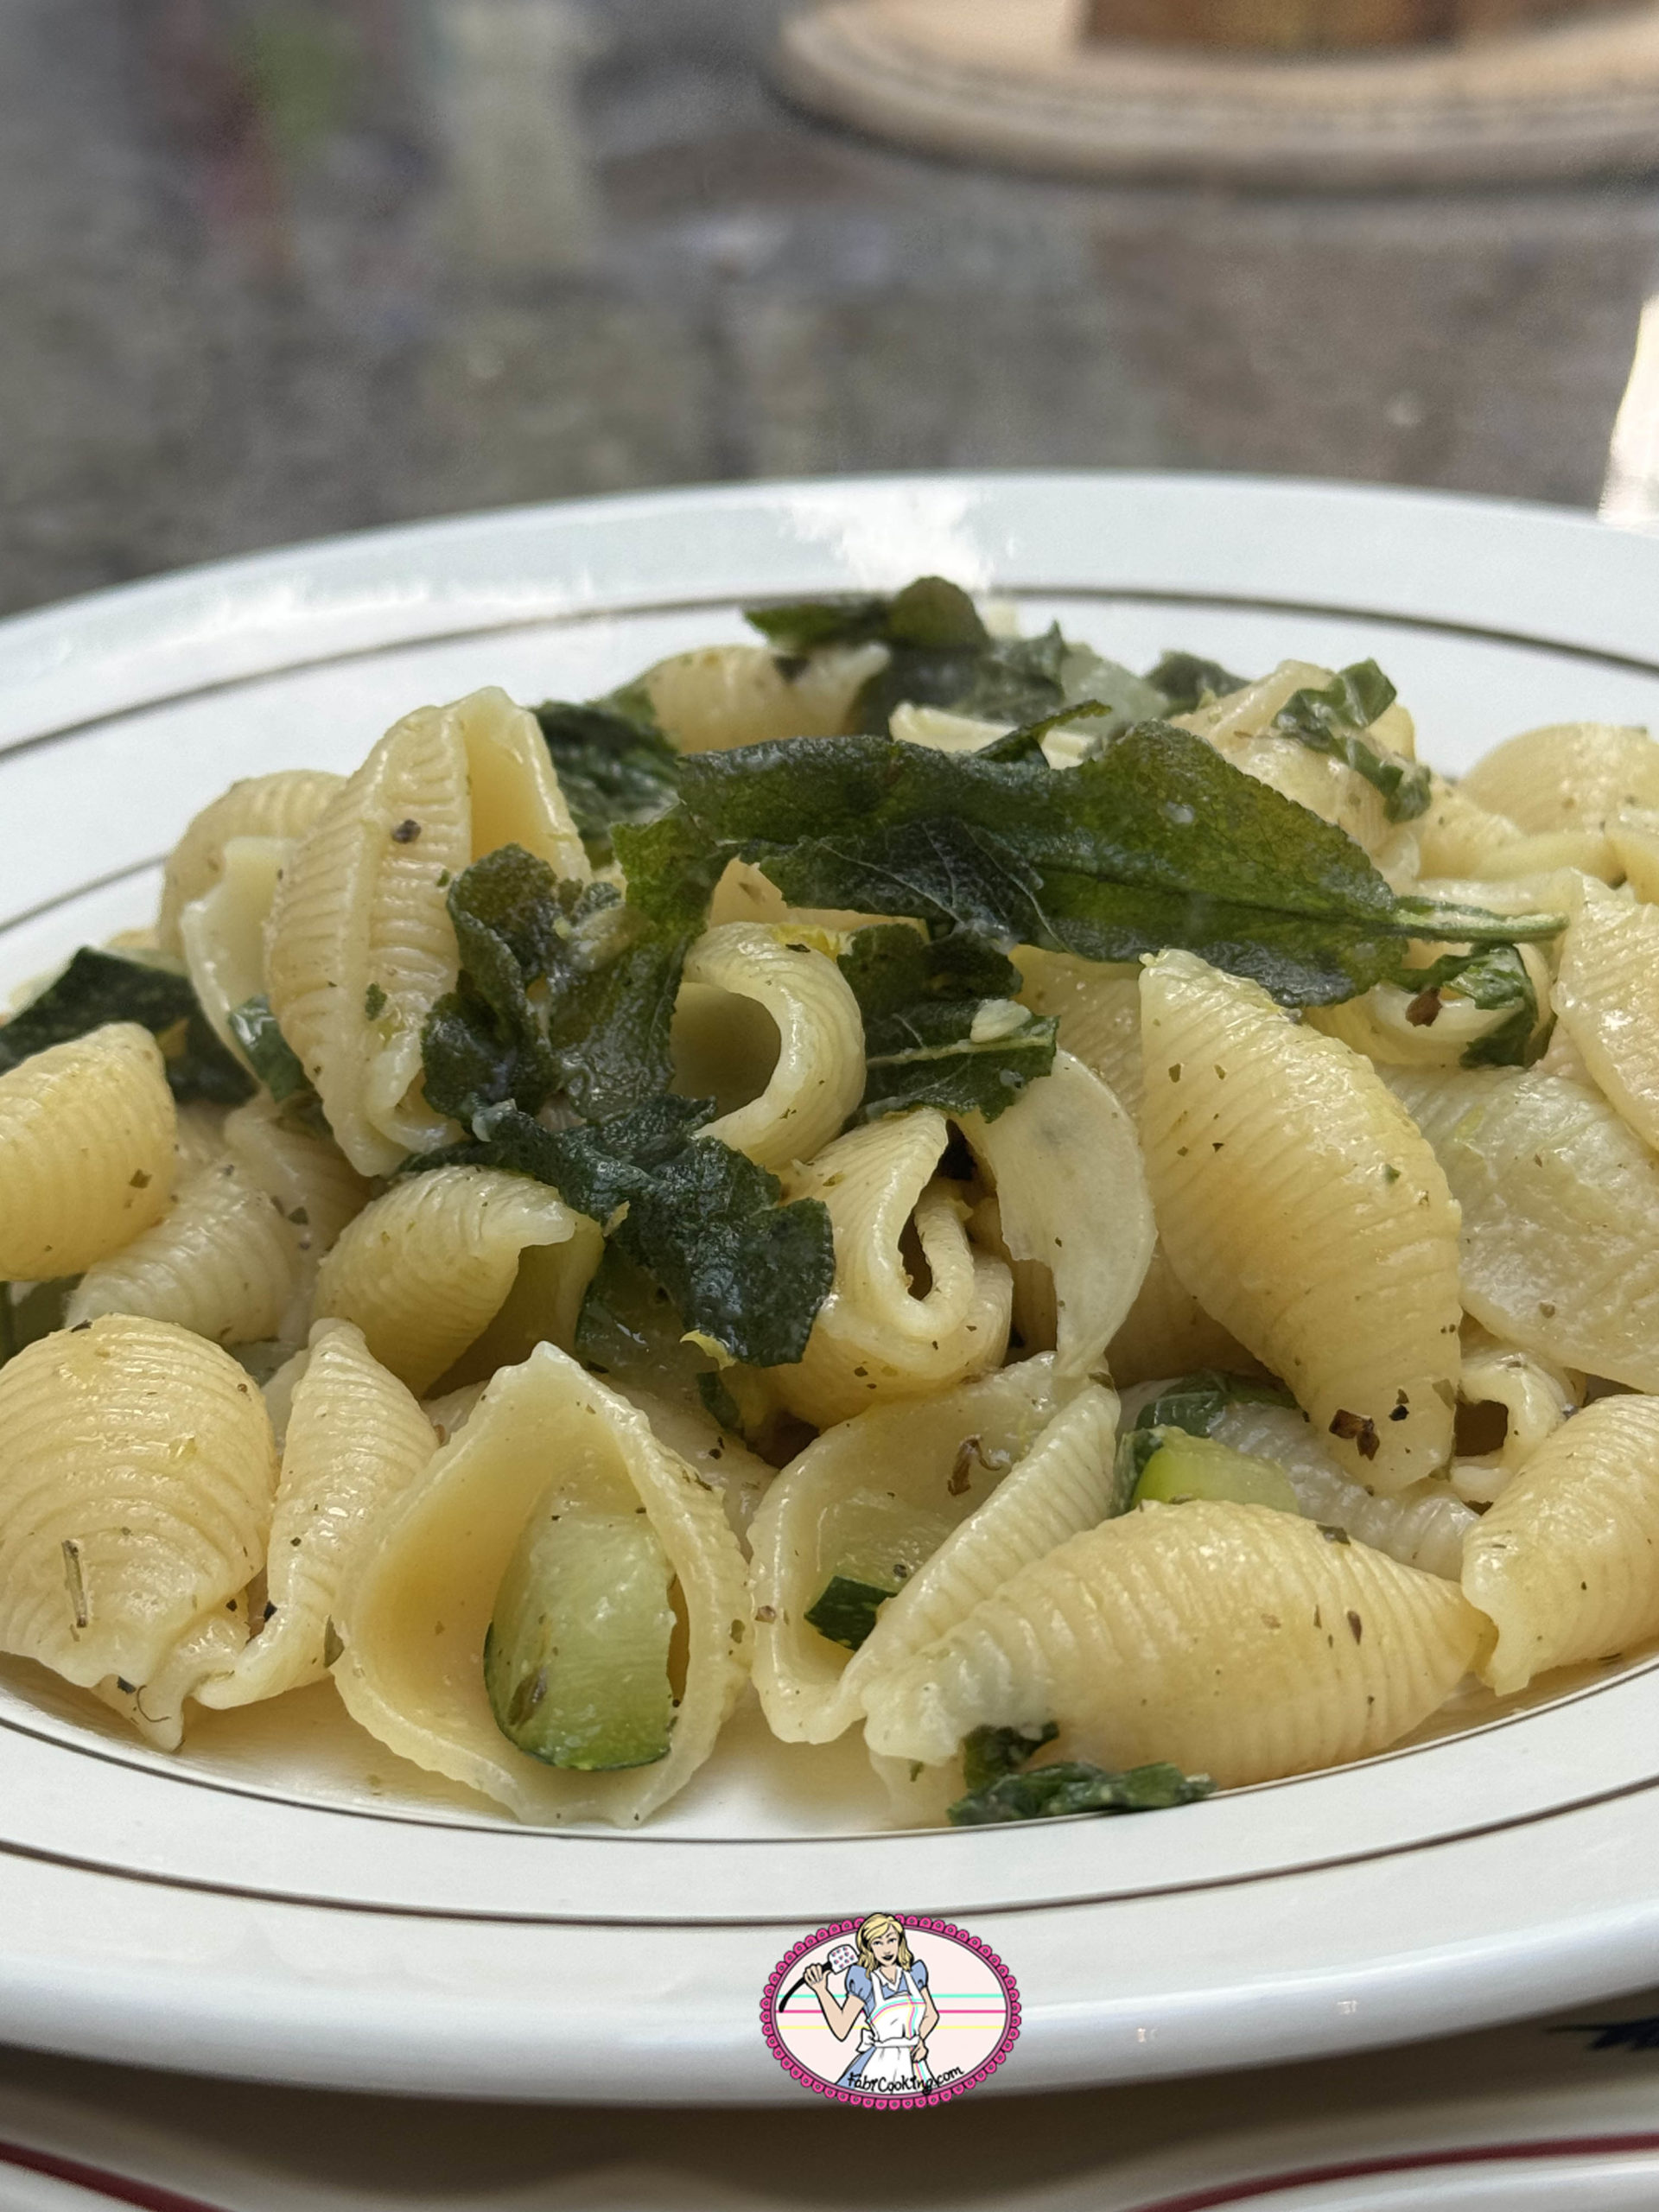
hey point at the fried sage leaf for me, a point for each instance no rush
(1048, 1793)
(96, 988)
(942, 1026)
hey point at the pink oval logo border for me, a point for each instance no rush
(820, 2087)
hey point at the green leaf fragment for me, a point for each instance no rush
(1195, 1403)
(1493, 977)
(1157, 842)
(98, 988)
(271, 1056)
(613, 761)
(702, 1221)
(575, 1660)
(1048, 1793)
(989, 1753)
(1333, 721)
(941, 1025)
(1186, 680)
(845, 1612)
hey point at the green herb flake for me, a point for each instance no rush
(1048, 1793)
(1187, 680)
(845, 1612)
(98, 988)
(1158, 842)
(1494, 978)
(989, 1753)
(271, 1056)
(374, 1002)
(1333, 720)
(941, 1026)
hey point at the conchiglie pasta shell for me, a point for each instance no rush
(870, 1496)
(1071, 1200)
(1098, 1006)
(1233, 1640)
(286, 804)
(425, 1268)
(87, 1151)
(717, 696)
(1568, 776)
(354, 1440)
(1566, 1564)
(513, 791)
(136, 1470)
(314, 1187)
(360, 906)
(1561, 1217)
(223, 1262)
(223, 932)
(1607, 998)
(414, 1621)
(873, 1338)
(1306, 1214)
(812, 1046)
(1535, 1396)
(1634, 834)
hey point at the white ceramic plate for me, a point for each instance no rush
(284, 1900)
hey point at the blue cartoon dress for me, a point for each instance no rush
(892, 2019)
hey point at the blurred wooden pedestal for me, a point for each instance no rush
(1013, 82)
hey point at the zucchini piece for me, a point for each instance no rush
(576, 1658)
(1185, 1466)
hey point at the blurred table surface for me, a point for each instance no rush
(272, 269)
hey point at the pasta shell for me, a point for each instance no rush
(1098, 1006)
(512, 790)
(1072, 1201)
(873, 1337)
(1568, 776)
(1633, 833)
(1534, 1396)
(425, 1267)
(1561, 1217)
(717, 696)
(1232, 1640)
(222, 1264)
(1566, 1564)
(223, 932)
(137, 1470)
(286, 804)
(1306, 1214)
(768, 1025)
(413, 1623)
(354, 1440)
(87, 1151)
(1380, 1022)
(1607, 998)
(873, 1500)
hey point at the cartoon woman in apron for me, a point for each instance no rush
(889, 2002)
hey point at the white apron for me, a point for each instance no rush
(893, 2023)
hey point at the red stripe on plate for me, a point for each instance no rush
(120, 2188)
(1405, 2161)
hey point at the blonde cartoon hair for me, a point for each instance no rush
(878, 1923)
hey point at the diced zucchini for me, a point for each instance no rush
(575, 1660)
(1197, 1466)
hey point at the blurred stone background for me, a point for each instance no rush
(270, 269)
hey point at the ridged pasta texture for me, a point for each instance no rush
(413, 1622)
(361, 908)
(807, 1071)
(874, 1338)
(223, 1262)
(285, 804)
(1234, 1640)
(1306, 1213)
(1607, 998)
(1560, 1201)
(1073, 1202)
(87, 1151)
(354, 1438)
(1566, 1564)
(425, 1268)
(1567, 776)
(872, 1500)
(136, 1474)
